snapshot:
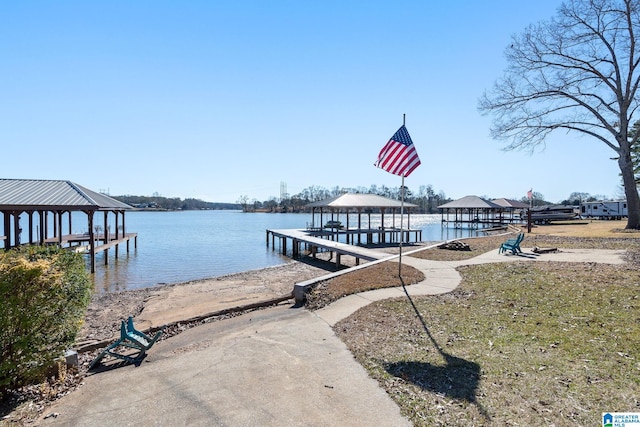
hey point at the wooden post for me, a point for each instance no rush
(16, 228)
(46, 226)
(55, 223)
(359, 223)
(106, 225)
(92, 242)
(59, 217)
(42, 220)
(117, 221)
(30, 227)
(117, 234)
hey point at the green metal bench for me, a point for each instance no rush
(512, 245)
(130, 338)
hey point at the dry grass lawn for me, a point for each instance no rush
(517, 343)
(585, 228)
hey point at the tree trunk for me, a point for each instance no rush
(630, 190)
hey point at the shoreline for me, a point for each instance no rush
(162, 304)
(170, 302)
(166, 303)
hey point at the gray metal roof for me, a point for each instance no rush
(354, 201)
(470, 202)
(17, 194)
(510, 203)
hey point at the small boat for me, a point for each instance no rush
(334, 224)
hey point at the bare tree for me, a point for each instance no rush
(577, 72)
(242, 200)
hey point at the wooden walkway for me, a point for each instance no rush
(310, 239)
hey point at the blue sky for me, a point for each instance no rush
(220, 99)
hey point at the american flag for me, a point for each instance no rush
(399, 156)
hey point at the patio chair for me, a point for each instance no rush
(130, 338)
(512, 245)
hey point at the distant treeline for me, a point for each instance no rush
(173, 203)
(426, 198)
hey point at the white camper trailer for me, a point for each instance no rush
(613, 209)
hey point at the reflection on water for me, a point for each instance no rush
(175, 247)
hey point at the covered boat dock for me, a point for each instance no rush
(51, 200)
(475, 212)
(326, 231)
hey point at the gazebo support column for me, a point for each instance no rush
(117, 233)
(16, 228)
(41, 221)
(45, 225)
(92, 241)
(30, 214)
(106, 237)
(59, 226)
(359, 224)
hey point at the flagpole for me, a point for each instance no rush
(401, 231)
(404, 119)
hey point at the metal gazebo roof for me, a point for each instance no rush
(470, 202)
(510, 203)
(37, 194)
(360, 201)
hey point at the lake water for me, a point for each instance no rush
(175, 247)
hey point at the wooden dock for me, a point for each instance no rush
(317, 239)
(354, 236)
(82, 243)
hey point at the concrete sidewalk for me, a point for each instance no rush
(277, 367)
(281, 366)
